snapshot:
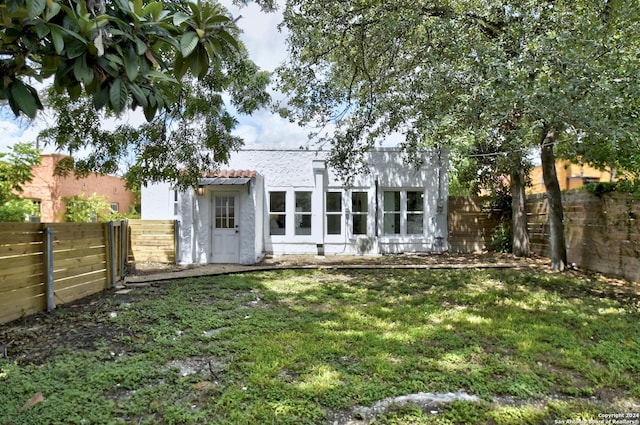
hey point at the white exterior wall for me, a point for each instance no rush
(293, 171)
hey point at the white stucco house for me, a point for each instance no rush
(290, 202)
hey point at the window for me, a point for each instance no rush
(225, 212)
(359, 212)
(277, 213)
(415, 212)
(334, 213)
(303, 213)
(403, 212)
(392, 213)
(114, 206)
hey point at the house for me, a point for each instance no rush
(50, 190)
(570, 176)
(291, 202)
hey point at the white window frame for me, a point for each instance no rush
(351, 213)
(299, 214)
(279, 213)
(339, 214)
(404, 213)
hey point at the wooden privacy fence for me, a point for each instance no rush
(602, 232)
(470, 224)
(42, 265)
(153, 241)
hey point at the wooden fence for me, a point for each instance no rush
(153, 241)
(602, 232)
(43, 265)
(470, 224)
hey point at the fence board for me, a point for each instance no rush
(152, 241)
(76, 281)
(73, 293)
(81, 256)
(78, 270)
(600, 232)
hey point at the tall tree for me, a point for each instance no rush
(174, 59)
(514, 75)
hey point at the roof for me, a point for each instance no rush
(232, 174)
(227, 177)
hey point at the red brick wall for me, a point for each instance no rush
(51, 190)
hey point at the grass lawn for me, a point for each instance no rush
(310, 347)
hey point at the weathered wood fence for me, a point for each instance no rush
(43, 265)
(602, 232)
(470, 224)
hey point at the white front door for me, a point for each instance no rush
(225, 244)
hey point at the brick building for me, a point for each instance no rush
(50, 191)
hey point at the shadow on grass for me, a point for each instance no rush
(304, 346)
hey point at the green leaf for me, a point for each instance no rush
(82, 71)
(74, 91)
(58, 40)
(199, 63)
(41, 29)
(131, 63)
(118, 95)
(52, 11)
(150, 112)
(139, 95)
(74, 48)
(35, 7)
(154, 9)
(229, 39)
(21, 99)
(101, 97)
(188, 42)
(180, 18)
(141, 47)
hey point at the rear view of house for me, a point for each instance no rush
(291, 202)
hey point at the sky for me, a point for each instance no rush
(266, 47)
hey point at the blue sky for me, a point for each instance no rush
(266, 46)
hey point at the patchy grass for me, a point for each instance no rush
(304, 347)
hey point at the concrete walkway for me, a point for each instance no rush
(156, 272)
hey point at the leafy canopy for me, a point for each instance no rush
(121, 53)
(489, 78)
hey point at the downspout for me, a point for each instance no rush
(439, 240)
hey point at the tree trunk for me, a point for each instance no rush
(519, 214)
(554, 197)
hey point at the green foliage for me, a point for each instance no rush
(17, 210)
(489, 79)
(86, 209)
(502, 237)
(196, 130)
(116, 52)
(620, 186)
(290, 346)
(15, 169)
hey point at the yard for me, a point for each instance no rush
(332, 346)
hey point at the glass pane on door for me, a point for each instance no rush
(225, 212)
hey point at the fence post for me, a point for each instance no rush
(124, 242)
(48, 261)
(111, 252)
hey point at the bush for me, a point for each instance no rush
(17, 210)
(89, 209)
